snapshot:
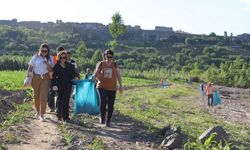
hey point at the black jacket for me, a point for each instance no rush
(62, 77)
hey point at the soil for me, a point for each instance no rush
(124, 133)
(37, 135)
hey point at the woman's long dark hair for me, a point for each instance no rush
(59, 55)
(44, 45)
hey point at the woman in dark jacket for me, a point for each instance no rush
(63, 74)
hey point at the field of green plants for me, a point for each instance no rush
(12, 80)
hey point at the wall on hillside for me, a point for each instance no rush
(94, 31)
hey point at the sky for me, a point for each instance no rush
(193, 16)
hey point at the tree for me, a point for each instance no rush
(212, 34)
(97, 56)
(116, 29)
(83, 52)
(112, 44)
(81, 49)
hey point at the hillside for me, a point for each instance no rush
(26, 35)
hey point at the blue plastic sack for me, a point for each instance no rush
(217, 99)
(90, 76)
(86, 99)
(73, 89)
(165, 84)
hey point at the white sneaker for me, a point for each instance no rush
(37, 116)
(42, 118)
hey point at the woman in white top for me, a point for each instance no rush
(39, 67)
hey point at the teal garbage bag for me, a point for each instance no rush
(165, 84)
(89, 76)
(86, 98)
(73, 89)
(217, 99)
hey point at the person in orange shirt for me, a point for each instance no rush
(209, 93)
(107, 73)
(161, 82)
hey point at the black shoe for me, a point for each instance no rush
(108, 124)
(67, 121)
(59, 118)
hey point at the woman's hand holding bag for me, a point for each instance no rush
(28, 80)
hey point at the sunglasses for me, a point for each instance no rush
(44, 51)
(63, 57)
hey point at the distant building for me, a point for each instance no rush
(163, 29)
(180, 31)
(12, 22)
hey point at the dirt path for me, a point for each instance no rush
(125, 133)
(37, 135)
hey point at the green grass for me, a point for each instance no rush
(3, 147)
(67, 136)
(22, 112)
(12, 80)
(11, 138)
(127, 81)
(97, 144)
(159, 107)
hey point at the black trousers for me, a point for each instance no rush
(210, 99)
(63, 102)
(107, 99)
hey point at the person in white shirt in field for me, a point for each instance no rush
(39, 67)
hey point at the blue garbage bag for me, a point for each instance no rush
(73, 89)
(86, 98)
(165, 84)
(90, 76)
(217, 99)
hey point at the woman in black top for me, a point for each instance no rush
(63, 74)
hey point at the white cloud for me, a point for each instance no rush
(245, 1)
